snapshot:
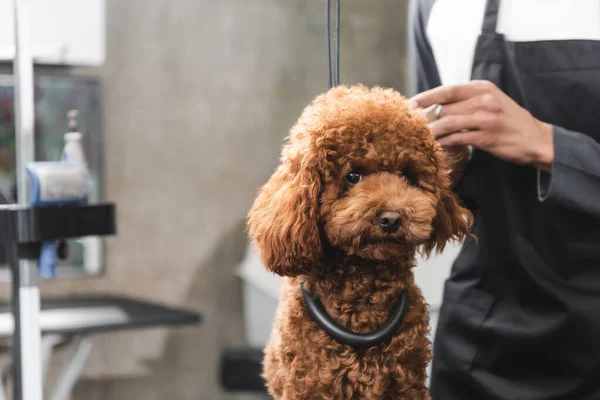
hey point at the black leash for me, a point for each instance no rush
(333, 75)
(315, 308)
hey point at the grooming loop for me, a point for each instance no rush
(315, 307)
(358, 340)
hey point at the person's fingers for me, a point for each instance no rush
(483, 102)
(480, 139)
(462, 139)
(430, 113)
(451, 94)
(459, 122)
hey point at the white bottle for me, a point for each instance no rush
(73, 151)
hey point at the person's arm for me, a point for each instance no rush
(573, 180)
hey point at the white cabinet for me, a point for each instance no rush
(63, 32)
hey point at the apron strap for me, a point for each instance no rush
(490, 18)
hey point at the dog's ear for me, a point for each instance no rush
(452, 221)
(284, 219)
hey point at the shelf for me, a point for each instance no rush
(22, 224)
(80, 315)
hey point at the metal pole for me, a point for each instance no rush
(27, 348)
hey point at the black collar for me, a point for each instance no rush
(359, 340)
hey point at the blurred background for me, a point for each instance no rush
(184, 105)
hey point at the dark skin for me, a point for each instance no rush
(479, 114)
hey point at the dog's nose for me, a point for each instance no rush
(389, 221)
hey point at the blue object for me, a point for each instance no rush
(47, 266)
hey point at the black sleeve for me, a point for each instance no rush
(423, 70)
(574, 181)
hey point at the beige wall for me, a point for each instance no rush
(199, 95)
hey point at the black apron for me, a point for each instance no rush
(521, 312)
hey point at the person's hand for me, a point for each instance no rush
(479, 114)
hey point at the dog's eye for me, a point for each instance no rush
(352, 178)
(411, 178)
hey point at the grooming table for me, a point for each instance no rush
(76, 319)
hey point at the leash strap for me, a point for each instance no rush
(333, 74)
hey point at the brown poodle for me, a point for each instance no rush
(360, 189)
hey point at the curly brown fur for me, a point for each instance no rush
(312, 226)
